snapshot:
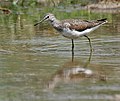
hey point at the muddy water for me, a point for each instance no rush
(36, 62)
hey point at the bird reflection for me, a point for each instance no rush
(89, 55)
(71, 71)
(89, 59)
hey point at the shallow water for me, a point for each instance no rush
(36, 62)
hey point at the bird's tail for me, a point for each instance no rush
(103, 20)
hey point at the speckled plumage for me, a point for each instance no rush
(73, 28)
(81, 25)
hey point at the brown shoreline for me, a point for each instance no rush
(105, 7)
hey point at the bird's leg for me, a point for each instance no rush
(88, 61)
(72, 50)
(89, 43)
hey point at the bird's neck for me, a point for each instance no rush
(56, 24)
(55, 21)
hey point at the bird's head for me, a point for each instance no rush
(48, 17)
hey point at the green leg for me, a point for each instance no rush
(89, 43)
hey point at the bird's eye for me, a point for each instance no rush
(47, 17)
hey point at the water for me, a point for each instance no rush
(36, 62)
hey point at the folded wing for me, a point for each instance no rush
(81, 25)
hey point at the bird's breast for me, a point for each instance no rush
(71, 34)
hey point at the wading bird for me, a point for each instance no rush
(73, 28)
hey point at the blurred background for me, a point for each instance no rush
(36, 62)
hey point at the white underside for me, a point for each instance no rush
(73, 34)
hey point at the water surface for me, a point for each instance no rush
(36, 64)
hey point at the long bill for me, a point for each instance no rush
(39, 22)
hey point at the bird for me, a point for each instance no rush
(73, 28)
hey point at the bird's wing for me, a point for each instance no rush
(81, 25)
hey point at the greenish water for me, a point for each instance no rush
(35, 62)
